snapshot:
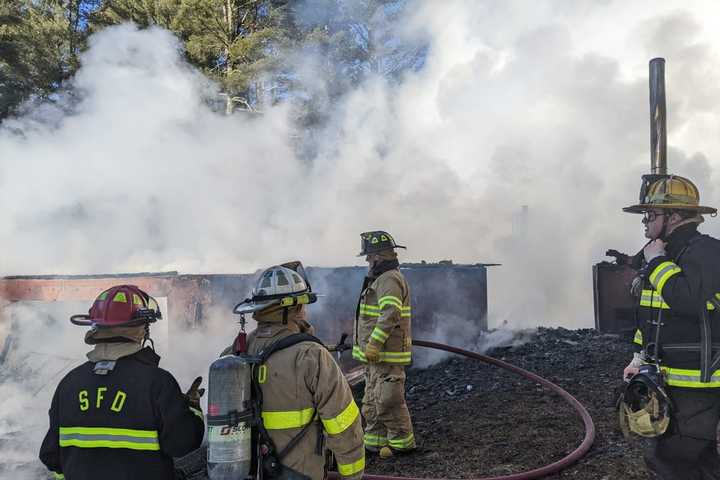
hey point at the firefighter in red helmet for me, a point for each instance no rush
(118, 415)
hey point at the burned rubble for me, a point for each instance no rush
(474, 420)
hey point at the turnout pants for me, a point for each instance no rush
(387, 419)
(688, 450)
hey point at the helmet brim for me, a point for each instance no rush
(252, 307)
(363, 254)
(644, 207)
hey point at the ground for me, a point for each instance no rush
(475, 420)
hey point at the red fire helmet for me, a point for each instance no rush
(120, 306)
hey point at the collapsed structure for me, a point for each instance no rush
(448, 291)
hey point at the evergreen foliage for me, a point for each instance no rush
(251, 48)
(39, 46)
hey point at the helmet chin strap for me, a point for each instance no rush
(663, 232)
(147, 338)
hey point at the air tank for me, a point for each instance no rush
(229, 446)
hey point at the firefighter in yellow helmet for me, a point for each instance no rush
(676, 373)
(383, 342)
(301, 384)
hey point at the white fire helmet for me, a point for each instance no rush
(278, 286)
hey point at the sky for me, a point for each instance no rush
(541, 104)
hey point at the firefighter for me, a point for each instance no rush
(679, 334)
(383, 342)
(120, 416)
(301, 384)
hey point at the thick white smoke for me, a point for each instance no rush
(541, 104)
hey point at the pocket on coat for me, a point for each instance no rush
(392, 391)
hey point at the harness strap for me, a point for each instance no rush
(263, 356)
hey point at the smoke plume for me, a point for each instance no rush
(542, 105)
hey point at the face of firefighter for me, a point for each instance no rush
(654, 221)
(300, 315)
(372, 259)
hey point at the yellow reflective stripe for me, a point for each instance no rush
(379, 335)
(58, 476)
(127, 432)
(287, 419)
(662, 274)
(638, 337)
(350, 469)
(197, 412)
(680, 377)
(358, 354)
(403, 443)
(652, 299)
(374, 440)
(386, 357)
(130, 445)
(405, 312)
(105, 437)
(395, 357)
(341, 423)
(369, 307)
(370, 311)
(390, 300)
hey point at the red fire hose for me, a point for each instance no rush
(574, 456)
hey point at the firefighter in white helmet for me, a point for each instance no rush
(301, 384)
(383, 342)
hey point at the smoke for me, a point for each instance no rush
(542, 105)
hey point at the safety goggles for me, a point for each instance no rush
(651, 216)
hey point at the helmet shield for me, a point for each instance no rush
(376, 241)
(278, 286)
(120, 306)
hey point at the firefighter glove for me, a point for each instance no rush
(654, 249)
(620, 258)
(194, 393)
(372, 352)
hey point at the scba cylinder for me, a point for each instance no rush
(229, 390)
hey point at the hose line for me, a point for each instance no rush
(573, 457)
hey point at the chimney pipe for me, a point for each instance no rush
(658, 118)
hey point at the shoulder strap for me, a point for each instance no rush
(286, 342)
(263, 356)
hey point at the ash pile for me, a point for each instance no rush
(475, 420)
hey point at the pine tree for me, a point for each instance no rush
(39, 46)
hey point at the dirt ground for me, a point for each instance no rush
(474, 420)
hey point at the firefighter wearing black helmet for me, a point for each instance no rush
(383, 341)
(119, 416)
(677, 371)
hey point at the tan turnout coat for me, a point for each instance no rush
(303, 384)
(384, 317)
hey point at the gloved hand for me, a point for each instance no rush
(372, 352)
(654, 249)
(633, 367)
(194, 394)
(620, 258)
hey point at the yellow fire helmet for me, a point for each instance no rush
(644, 407)
(670, 192)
